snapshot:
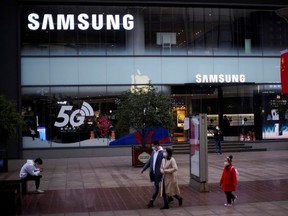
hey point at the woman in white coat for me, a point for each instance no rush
(169, 185)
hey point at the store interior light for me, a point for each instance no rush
(62, 102)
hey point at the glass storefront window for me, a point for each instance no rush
(68, 116)
(80, 58)
(104, 31)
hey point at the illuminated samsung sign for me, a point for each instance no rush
(82, 21)
(220, 78)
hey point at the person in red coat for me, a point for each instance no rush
(228, 181)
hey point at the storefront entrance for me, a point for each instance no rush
(234, 108)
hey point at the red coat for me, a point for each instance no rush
(229, 178)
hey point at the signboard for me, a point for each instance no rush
(284, 71)
(195, 147)
(180, 118)
(198, 151)
(82, 21)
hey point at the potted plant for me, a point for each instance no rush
(10, 122)
(143, 109)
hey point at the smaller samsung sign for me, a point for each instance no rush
(220, 78)
(82, 21)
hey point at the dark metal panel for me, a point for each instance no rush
(10, 60)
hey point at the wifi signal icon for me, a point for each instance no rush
(86, 109)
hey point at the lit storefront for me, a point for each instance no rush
(214, 60)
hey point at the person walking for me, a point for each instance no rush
(154, 164)
(31, 171)
(217, 139)
(229, 181)
(169, 184)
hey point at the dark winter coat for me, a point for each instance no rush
(157, 174)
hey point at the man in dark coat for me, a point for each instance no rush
(217, 139)
(154, 164)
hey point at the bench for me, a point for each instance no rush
(24, 185)
(19, 186)
(10, 195)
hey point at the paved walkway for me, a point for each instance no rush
(110, 186)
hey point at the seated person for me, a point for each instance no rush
(31, 171)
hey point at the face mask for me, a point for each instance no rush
(153, 148)
(164, 154)
(226, 163)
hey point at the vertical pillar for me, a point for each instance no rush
(220, 106)
(135, 40)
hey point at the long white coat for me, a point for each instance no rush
(169, 169)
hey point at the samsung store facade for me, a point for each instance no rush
(79, 56)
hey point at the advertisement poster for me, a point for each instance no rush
(180, 118)
(284, 71)
(275, 118)
(195, 146)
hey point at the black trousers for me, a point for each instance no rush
(229, 196)
(35, 178)
(165, 198)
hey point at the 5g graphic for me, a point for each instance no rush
(76, 118)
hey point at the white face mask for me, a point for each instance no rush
(226, 163)
(164, 154)
(153, 148)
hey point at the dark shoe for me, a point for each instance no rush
(164, 207)
(150, 204)
(180, 201)
(170, 199)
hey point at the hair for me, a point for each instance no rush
(38, 160)
(155, 142)
(169, 152)
(229, 159)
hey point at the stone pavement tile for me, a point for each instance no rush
(199, 210)
(54, 215)
(100, 184)
(77, 214)
(152, 212)
(126, 213)
(102, 213)
(271, 208)
(134, 198)
(282, 204)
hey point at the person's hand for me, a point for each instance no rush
(41, 169)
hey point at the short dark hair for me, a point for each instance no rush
(38, 160)
(155, 142)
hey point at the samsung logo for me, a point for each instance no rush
(82, 21)
(220, 78)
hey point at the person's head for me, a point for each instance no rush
(228, 160)
(38, 161)
(169, 153)
(155, 145)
